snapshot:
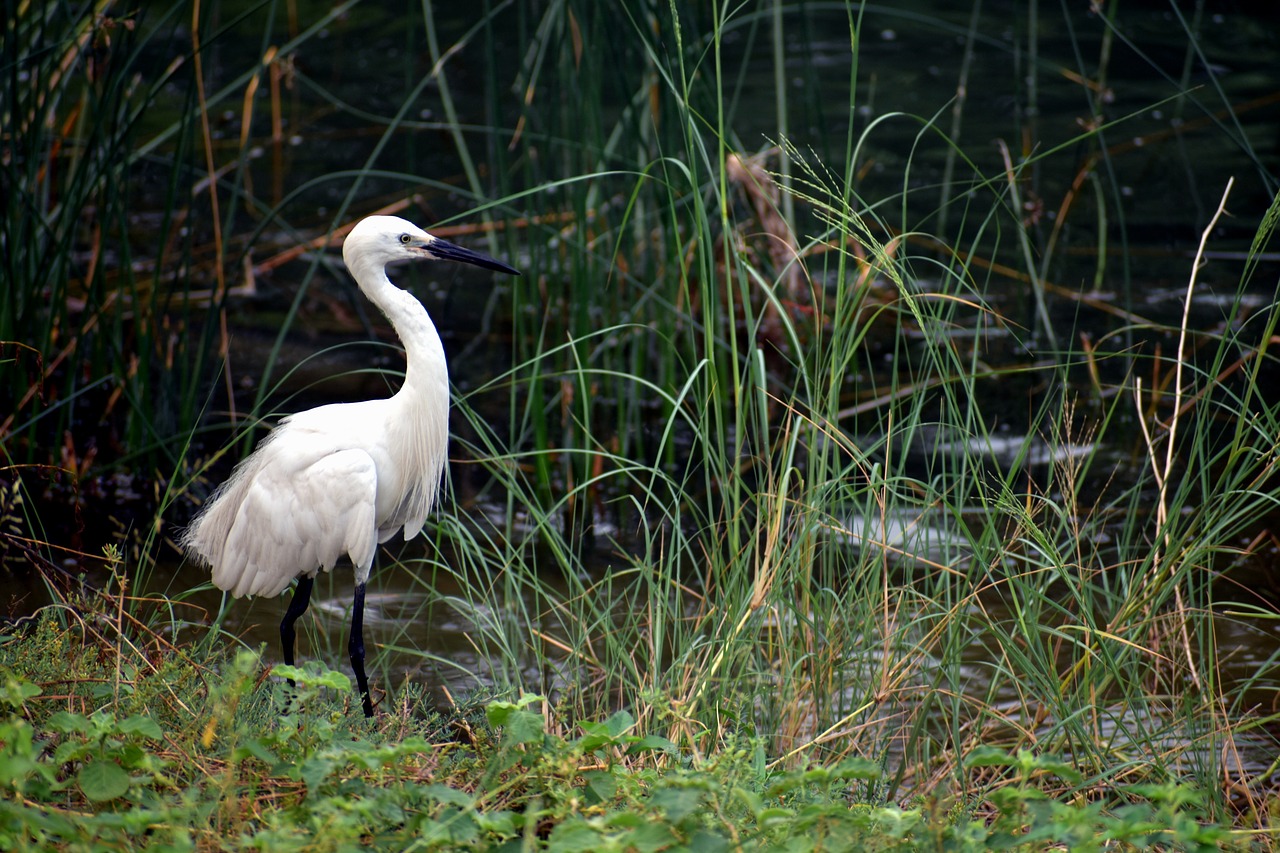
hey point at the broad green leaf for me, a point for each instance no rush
(620, 723)
(326, 678)
(706, 841)
(452, 796)
(144, 726)
(678, 803)
(652, 743)
(14, 692)
(252, 747)
(501, 822)
(652, 836)
(601, 784)
(523, 727)
(102, 780)
(67, 722)
(315, 770)
(574, 836)
(498, 713)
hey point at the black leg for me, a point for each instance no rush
(297, 606)
(355, 647)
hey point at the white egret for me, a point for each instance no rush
(340, 479)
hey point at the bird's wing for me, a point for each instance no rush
(299, 509)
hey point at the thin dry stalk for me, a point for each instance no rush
(1162, 472)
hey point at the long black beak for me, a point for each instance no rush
(443, 250)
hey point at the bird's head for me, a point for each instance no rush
(381, 240)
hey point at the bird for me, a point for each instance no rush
(340, 479)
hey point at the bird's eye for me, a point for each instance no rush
(405, 239)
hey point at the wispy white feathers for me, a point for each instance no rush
(290, 509)
(336, 480)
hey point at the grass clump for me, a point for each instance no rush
(238, 761)
(87, 310)
(892, 493)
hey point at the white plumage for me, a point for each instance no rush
(337, 480)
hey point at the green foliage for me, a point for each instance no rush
(306, 780)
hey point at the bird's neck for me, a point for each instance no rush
(426, 373)
(419, 424)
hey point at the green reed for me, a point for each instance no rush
(83, 321)
(814, 534)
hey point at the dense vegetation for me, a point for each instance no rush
(835, 475)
